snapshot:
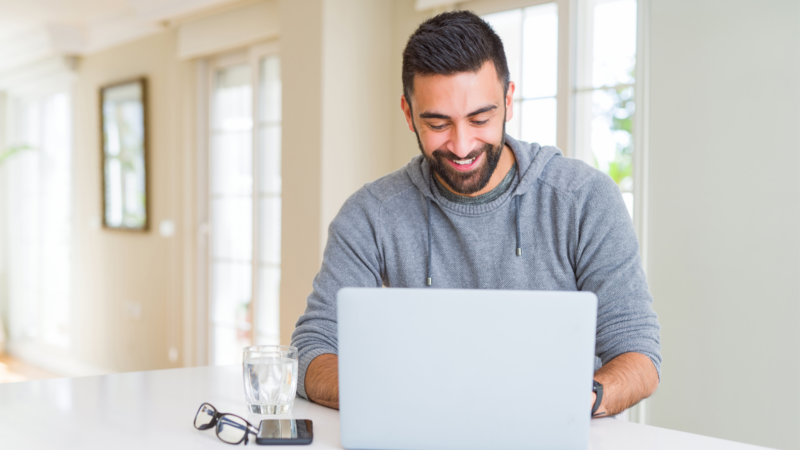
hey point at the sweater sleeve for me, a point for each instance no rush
(608, 264)
(351, 259)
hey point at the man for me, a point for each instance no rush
(481, 210)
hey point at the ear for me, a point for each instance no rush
(510, 101)
(406, 107)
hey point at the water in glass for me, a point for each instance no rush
(270, 383)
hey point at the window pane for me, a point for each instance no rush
(540, 51)
(232, 101)
(614, 43)
(508, 25)
(38, 223)
(271, 159)
(270, 89)
(268, 306)
(231, 288)
(610, 122)
(24, 245)
(232, 228)
(55, 168)
(270, 239)
(228, 345)
(538, 121)
(231, 213)
(269, 277)
(232, 163)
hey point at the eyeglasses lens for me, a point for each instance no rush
(204, 416)
(231, 429)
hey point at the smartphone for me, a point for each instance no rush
(285, 432)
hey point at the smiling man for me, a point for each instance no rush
(480, 210)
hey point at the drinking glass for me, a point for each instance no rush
(270, 378)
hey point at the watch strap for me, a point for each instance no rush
(597, 388)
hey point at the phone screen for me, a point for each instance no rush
(284, 432)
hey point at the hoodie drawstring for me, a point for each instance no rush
(429, 280)
(519, 243)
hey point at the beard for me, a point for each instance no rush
(465, 183)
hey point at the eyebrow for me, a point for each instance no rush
(433, 115)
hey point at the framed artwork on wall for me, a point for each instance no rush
(123, 131)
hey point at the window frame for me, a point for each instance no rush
(205, 71)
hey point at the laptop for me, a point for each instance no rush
(465, 369)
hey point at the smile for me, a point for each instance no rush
(463, 165)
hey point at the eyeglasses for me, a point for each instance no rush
(230, 428)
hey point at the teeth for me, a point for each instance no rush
(464, 161)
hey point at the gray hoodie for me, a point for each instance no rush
(561, 226)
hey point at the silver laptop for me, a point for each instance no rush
(465, 369)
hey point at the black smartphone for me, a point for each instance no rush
(285, 432)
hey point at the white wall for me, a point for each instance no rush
(724, 223)
(301, 140)
(356, 99)
(127, 286)
(335, 70)
(405, 21)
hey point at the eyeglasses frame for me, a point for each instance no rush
(217, 418)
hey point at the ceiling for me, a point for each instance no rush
(63, 11)
(35, 29)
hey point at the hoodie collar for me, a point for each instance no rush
(531, 160)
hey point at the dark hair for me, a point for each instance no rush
(450, 43)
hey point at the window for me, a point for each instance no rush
(39, 209)
(530, 38)
(244, 202)
(604, 92)
(584, 104)
(574, 63)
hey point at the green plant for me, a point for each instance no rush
(11, 151)
(620, 119)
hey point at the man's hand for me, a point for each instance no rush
(322, 380)
(627, 379)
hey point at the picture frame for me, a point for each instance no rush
(123, 150)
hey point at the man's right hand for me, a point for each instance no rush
(322, 380)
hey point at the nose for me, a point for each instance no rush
(462, 141)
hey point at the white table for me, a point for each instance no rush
(154, 410)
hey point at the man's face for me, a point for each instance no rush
(459, 121)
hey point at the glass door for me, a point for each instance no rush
(231, 212)
(244, 202)
(40, 211)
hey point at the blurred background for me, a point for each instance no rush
(170, 221)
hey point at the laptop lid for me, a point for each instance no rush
(465, 369)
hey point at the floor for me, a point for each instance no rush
(13, 370)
